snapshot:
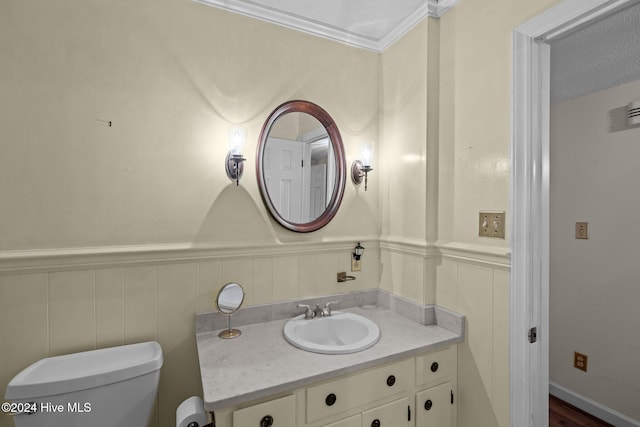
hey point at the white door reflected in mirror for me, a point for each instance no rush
(299, 167)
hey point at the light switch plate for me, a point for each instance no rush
(356, 264)
(491, 224)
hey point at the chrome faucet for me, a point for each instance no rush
(327, 308)
(308, 313)
(317, 312)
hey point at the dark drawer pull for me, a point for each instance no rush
(266, 421)
(428, 404)
(330, 399)
(391, 380)
(434, 366)
(376, 423)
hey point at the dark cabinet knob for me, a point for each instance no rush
(428, 404)
(266, 421)
(376, 423)
(330, 399)
(391, 380)
(434, 366)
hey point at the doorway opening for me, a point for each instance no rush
(529, 305)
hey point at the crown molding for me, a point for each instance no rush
(439, 8)
(432, 8)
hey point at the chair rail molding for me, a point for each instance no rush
(89, 257)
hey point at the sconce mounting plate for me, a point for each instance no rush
(356, 172)
(234, 165)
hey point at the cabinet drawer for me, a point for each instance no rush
(436, 366)
(350, 392)
(355, 421)
(281, 411)
(433, 406)
(394, 414)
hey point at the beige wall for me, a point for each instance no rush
(172, 76)
(474, 168)
(594, 289)
(58, 310)
(403, 164)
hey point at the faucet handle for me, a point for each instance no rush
(327, 307)
(308, 312)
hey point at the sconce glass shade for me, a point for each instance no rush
(366, 154)
(237, 139)
(358, 251)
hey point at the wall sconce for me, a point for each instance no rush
(358, 251)
(234, 161)
(361, 168)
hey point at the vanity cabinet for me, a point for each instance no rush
(277, 413)
(434, 406)
(350, 392)
(393, 414)
(354, 421)
(436, 375)
(415, 392)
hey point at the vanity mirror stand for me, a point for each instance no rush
(228, 301)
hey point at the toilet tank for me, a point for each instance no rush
(113, 386)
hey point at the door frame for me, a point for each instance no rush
(529, 296)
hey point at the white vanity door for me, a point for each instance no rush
(434, 407)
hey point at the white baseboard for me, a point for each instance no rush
(594, 408)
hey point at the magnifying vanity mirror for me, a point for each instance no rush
(228, 301)
(301, 166)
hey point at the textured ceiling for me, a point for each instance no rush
(602, 55)
(368, 24)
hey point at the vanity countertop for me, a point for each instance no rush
(261, 362)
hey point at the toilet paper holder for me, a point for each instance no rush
(191, 413)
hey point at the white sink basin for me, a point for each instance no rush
(339, 333)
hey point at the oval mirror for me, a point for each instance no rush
(301, 166)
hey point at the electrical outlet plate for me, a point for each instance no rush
(491, 224)
(582, 230)
(580, 361)
(356, 264)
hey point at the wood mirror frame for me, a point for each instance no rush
(340, 173)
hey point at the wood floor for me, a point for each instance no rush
(562, 414)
